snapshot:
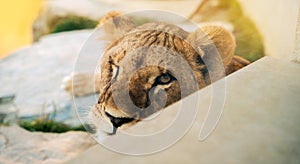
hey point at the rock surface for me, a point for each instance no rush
(95, 9)
(55, 9)
(259, 123)
(20, 146)
(34, 74)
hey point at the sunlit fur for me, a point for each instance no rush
(133, 48)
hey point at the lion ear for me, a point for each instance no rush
(115, 25)
(213, 41)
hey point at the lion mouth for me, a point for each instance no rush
(117, 121)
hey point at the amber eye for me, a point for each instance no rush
(164, 79)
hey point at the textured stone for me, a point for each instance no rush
(34, 74)
(20, 146)
(259, 124)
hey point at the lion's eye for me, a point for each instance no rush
(164, 78)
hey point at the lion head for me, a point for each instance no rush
(148, 67)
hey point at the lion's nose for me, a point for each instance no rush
(118, 121)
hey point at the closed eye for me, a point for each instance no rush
(115, 73)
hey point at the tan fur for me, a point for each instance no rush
(128, 53)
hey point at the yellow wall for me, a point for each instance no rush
(16, 17)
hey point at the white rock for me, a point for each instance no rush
(34, 74)
(20, 146)
(259, 124)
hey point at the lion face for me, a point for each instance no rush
(126, 102)
(145, 70)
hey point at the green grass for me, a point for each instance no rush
(46, 123)
(249, 41)
(248, 38)
(51, 126)
(71, 23)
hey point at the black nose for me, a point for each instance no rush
(118, 121)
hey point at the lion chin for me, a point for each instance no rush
(108, 125)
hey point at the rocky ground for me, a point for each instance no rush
(34, 74)
(20, 146)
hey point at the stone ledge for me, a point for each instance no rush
(20, 146)
(260, 122)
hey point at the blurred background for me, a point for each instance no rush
(17, 17)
